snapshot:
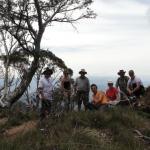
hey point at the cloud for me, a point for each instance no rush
(144, 2)
(118, 38)
(121, 7)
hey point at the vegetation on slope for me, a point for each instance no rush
(112, 129)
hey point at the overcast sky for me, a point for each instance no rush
(119, 38)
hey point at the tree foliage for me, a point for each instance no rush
(27, 20)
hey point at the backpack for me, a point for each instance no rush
(140, 91)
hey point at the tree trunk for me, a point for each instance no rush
(19, 91)
(6, 81)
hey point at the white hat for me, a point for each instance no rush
(110, 82)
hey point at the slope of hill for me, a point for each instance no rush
(114, 129)
(117, 128)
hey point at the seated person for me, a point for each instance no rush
(135, 86)
(99, 99)
(112, 92)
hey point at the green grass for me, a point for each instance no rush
(108, 130)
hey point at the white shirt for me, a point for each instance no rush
(47, 87)
(135, 80)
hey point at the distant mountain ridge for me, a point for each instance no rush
(101, 82)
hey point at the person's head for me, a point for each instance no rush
(131, 74)
(47, 72)
(94, 88)
(110, 84)
(121, 73)
(82, 72)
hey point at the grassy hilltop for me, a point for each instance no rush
(114, 129)
(118, 128)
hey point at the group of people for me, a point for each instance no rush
(81, 87)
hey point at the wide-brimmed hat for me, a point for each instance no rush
(121, 72)
(47, 71)
(82, 71)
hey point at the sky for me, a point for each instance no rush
(119, 38)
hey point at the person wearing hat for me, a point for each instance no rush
(82, 88)
(112, 92)
(121, 83)
(45, 89)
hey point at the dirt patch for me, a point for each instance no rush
(21, 129)
(3, 120)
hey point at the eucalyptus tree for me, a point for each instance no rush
(27, 20)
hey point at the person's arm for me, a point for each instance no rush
(41, 94)
(93, 102)
(88, 84)
(72, 86)
(117, 83)
(106, 93)
(100, 99)
(117, 95)
(75, 86)
(40, 90)
(136, 88)
(128, 87)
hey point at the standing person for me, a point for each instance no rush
(99, 99)
(82, 88)
(66, 88)
(121, 83)
(112, 92)
(45, 89)
(135, 86)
